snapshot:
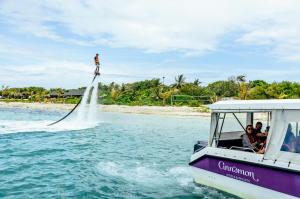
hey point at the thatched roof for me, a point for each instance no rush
(74, 92)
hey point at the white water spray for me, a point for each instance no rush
(83, 105)
(87, 110)
(92, 110)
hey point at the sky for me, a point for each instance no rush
(52, 43)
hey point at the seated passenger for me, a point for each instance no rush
(260, 136)
(249, 139)
(258, 128)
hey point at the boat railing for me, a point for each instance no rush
(242, 148)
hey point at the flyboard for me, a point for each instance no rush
(64, 117)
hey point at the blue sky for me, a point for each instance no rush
(51, 43)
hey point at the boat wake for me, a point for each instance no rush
(157, 178)
(138, 173)
(149, 176)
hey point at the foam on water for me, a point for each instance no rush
(153, 176)
(138, 173)
(148, 175)
(16, 126)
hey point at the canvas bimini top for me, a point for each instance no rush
(263, 105)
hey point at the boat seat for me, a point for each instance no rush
(229, 143)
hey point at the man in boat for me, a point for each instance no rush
(258, 128)
(97, 63)
(261, 137)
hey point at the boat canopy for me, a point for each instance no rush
(257, 105)
(285, 114)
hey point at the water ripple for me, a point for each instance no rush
(125, 156)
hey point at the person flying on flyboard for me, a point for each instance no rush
(97, 63)
(97, 73)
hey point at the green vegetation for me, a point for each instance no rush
(154, 92)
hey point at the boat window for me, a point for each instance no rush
(234, 123)
(231, 133)
(265, 118)
(291, 142)
(229, 128)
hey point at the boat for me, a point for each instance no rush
(226, 164)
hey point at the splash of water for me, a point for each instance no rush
(82, 109)
(92, 109)
(87, 111)
(84, 117)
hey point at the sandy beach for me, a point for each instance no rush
(156, 110)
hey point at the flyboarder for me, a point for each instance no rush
(97, 63)
(97, 73)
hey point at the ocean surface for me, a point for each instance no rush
(123, 156)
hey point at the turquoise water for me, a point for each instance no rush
(125, 156)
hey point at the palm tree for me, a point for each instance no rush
(243, 86)
(156, 82)
(167, 94)
(112, 85)
(197, 82)
(123, 87)
(241, 78)
(180, 80)
(114, 94)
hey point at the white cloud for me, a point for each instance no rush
(191, 26)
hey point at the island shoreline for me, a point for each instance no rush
(148, 110)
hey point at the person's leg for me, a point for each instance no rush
(97, 70)
(96, 67)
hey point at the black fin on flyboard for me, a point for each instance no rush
(64, 117)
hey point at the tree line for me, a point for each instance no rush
(155, 92)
